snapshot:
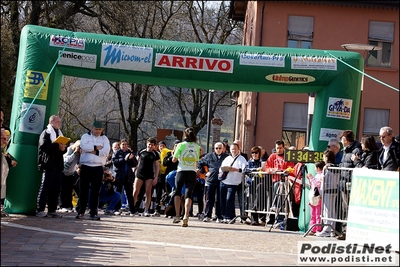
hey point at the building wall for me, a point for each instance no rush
(334, 25)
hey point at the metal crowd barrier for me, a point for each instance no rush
(335, 192)
(259, 196)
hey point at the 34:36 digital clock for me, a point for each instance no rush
(303, 156)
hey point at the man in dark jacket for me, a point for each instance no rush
(389, 154)
(350, 147)
(213, 162)
(124, 160)
(51, 163)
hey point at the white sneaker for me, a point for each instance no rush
(146, 214)
(118, 212)
(64, 210)
(323, 234)
(206, 219)
(219, 221)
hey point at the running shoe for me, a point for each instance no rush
(185, 222)
(54, 215)
(41, 214)
(177, 219)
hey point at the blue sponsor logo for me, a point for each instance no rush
(116, 55)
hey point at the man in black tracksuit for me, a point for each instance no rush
(51, 163)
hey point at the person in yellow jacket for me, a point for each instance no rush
(162, 147)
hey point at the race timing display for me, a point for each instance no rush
(303, 156)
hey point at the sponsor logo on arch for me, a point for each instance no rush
(339, 108)
(74, 59)
(35, 81)
(61, 41)
(290, 78)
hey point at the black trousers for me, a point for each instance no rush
(67, 183)
(91, 177)
(160, 189)
(49, 190)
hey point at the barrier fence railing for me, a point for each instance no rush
(335, 197)
(263, 197)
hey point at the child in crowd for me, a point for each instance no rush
(315, 197)
(329, 191)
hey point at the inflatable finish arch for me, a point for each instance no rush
(46, 54)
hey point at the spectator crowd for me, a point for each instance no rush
(113, 180)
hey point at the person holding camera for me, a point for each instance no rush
(124, 160)
(234, 163)
(108, 195)
(276, 163)
(71, 159)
